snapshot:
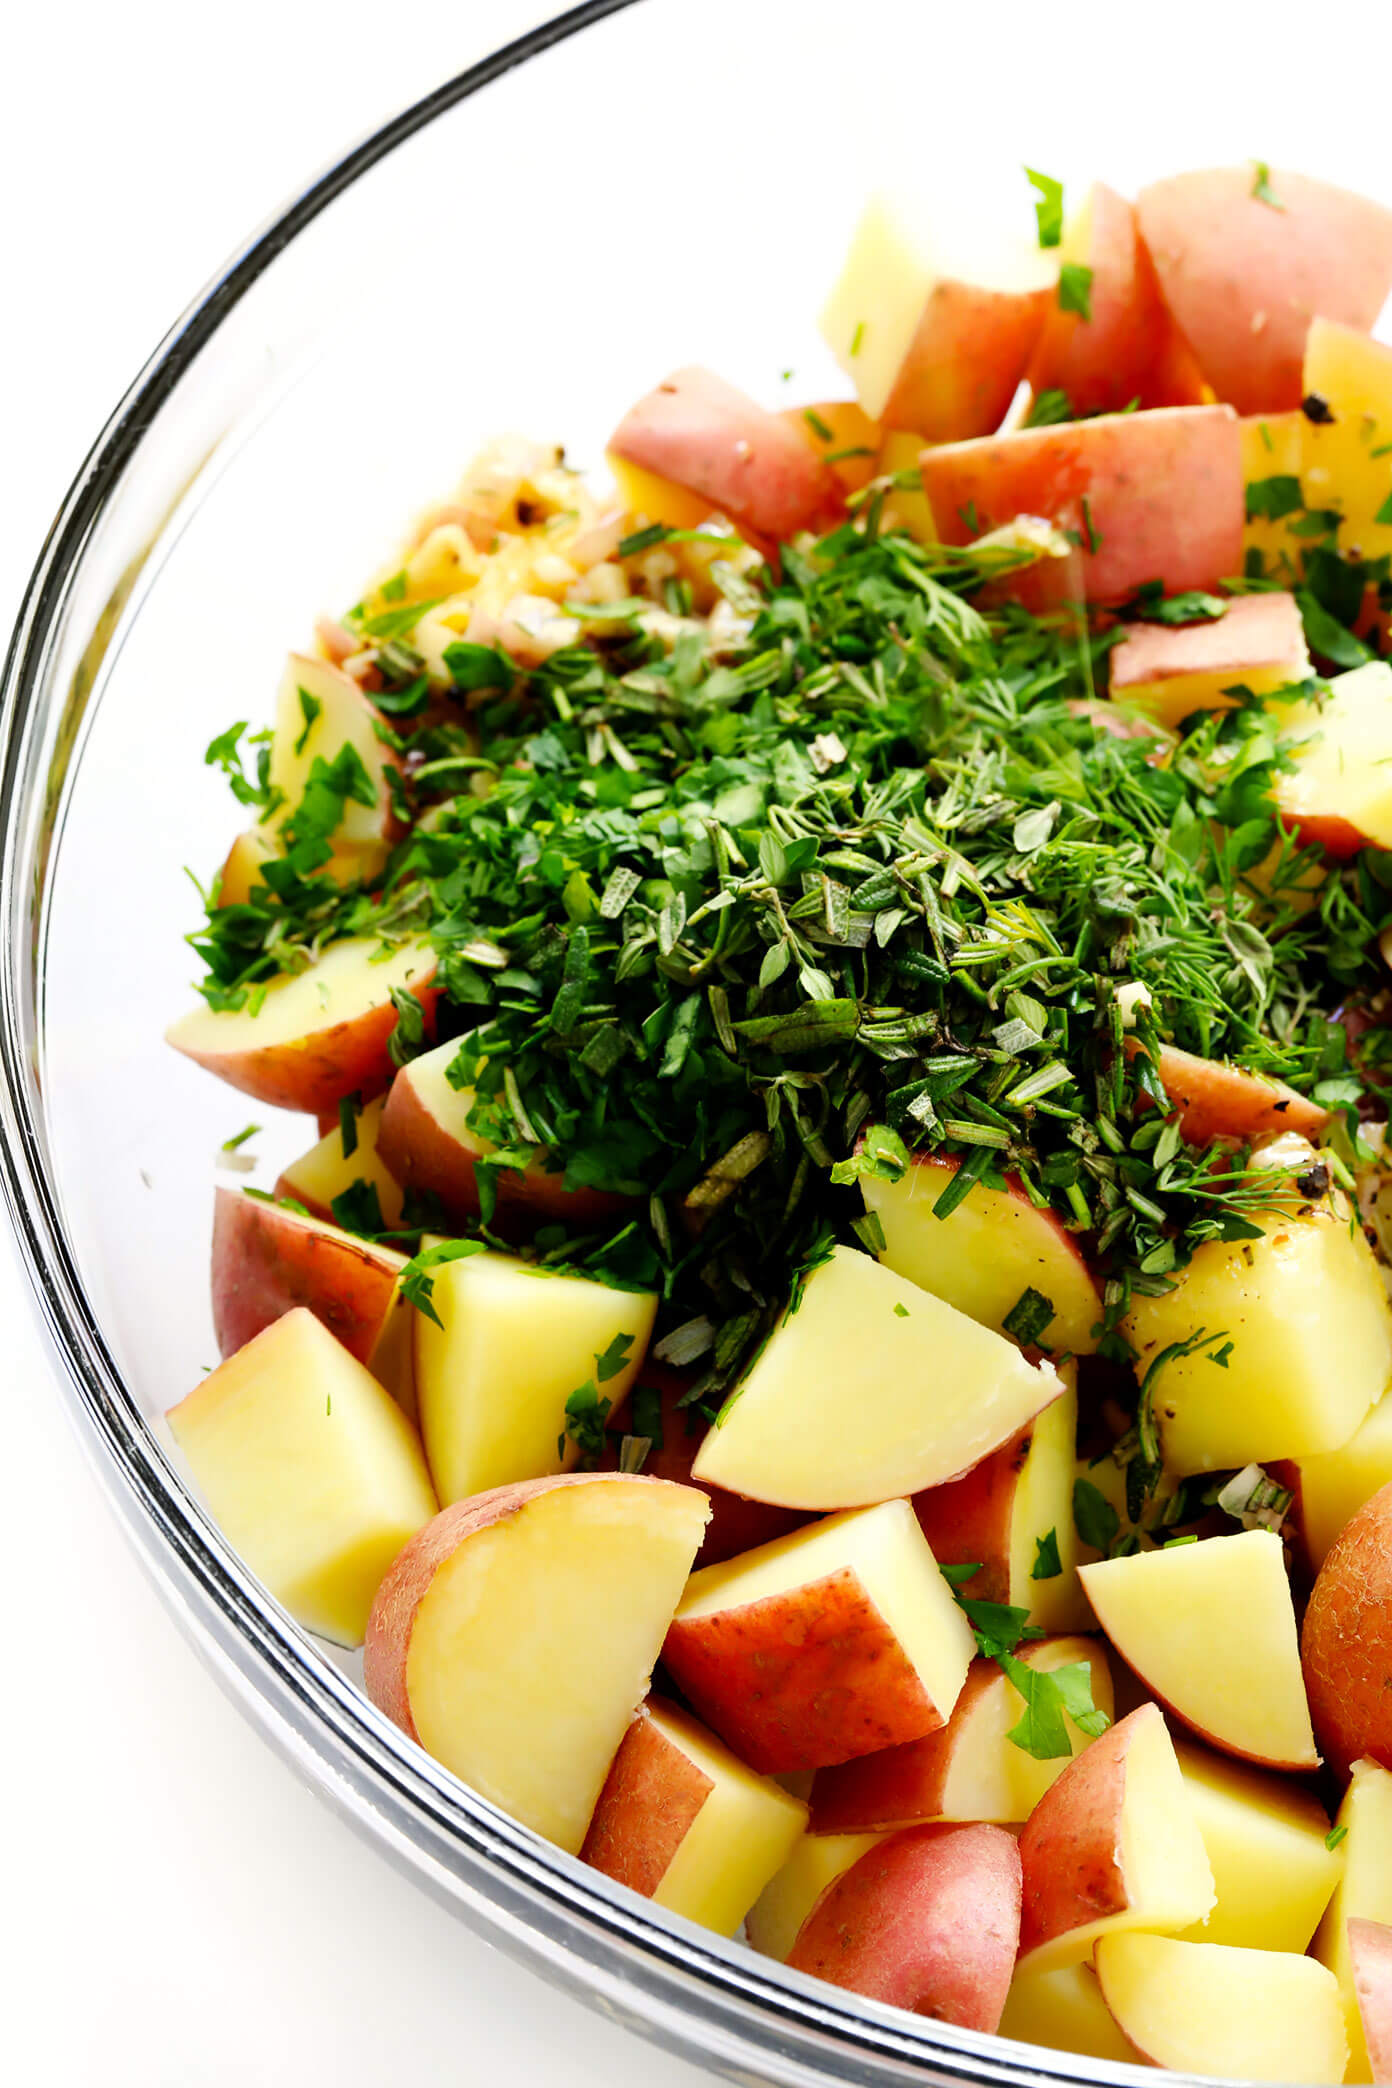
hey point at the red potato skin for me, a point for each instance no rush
(314, 1073)
(1105, 362)
(801, 1680)
(736, 1524)
(1346, 1642)
(387, 1648)
(1370, 1953)
(1243, 280)
(928, 1921)
(968, 1519)
(1217, 1101)
(1256, 628)
(967, 355)
(413, 1146)
(1164, 491)
(651, 1796)
(1073, 1876)
(899, 1786)
(266, 1261)
(1339, 838)
(697, 431)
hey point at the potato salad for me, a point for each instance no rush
(830, 1339)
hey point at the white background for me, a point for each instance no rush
(177, 1909)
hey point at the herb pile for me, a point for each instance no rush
(725, 935)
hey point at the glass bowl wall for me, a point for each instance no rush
(634, 188)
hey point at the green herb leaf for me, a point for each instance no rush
(1047, 1563)
(1028, 1317)
(1075, 289)
(1048, 209)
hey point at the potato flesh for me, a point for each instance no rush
(1065, 2011)
(1364, 1892)
(324, 1172)
(1332, 1488)
(1273, 446)
(1276, 1299)
(347, 982)
(1145, 1867)
(1244, 2015)
(985, 1253)
(533, 1645)
(656, 499)
(1347, 460)
(1342, 749)
(310, 1469)
(1044, 1507)
(886, 1551)
(1273, 1871)
(304, 735)
(895, 263)
(492, 1380)
(853, 1401)
(815, 1861)
(1210, 1627)
(740, 1838)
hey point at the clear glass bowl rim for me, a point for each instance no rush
(709, 2001)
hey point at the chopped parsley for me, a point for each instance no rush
(1048, 208)
(1050, 1695)
(1262, 190)
(1075, 289)
(1029, 1316)
(1047, 1563)
(727, 936)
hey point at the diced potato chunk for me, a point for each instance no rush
(311, 1471)
(1276, 1299)
(1348, 459)
(509, 1346)
(1258, 644)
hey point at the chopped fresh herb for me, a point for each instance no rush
(349, 1110)
(1271, 499)
(1047, 1563)
(408, 1039)
(1048, 209)
(643, 540)
(310, 709)
(858, 337)
(1048, 408)
(397, 622)
(901, 1310)
(1075, 289)
(358, 1209)
(1028, 1317)
(1261, 186)
(1334, 1837)
(1384, 513)
(818, 426)
(417, 1279)
(1094, 1517)
(239, 1138)
(728, 937)
(1053, 1695)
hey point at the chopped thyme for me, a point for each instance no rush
(1048, 208)
(723, 936)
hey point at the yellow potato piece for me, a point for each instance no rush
(1273, 1870)
(532, 1647)
(319, 711)
(816, 1861)
(311, 1471)
(740, 1837)
(1065, 2011)
(1348, 460)
(1210, 1629)
(1364, 1890)
(905, 507)
(493, 1377)
(871, 1389)
(1273, 446)
(1341, 744)
(1244, 2015)
(1276, 1299)
(1332, 1488)
(324, 1172)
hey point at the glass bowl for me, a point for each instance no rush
(627, 189)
